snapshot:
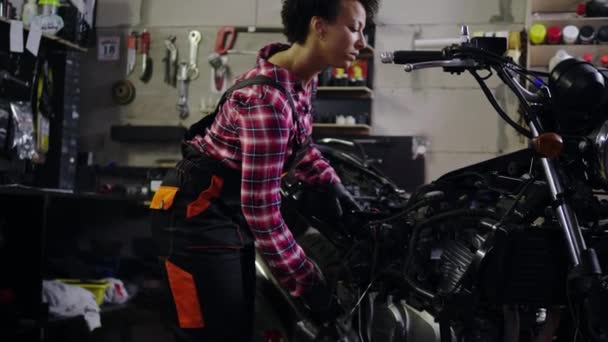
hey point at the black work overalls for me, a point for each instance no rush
(210, 263)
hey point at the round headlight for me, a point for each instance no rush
(578, 94)
(577, 85)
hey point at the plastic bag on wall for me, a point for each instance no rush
(23, 130)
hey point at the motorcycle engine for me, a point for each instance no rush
(444, 258)
(454, 261)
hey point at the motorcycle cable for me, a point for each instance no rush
(523, 73)
(498, 108)
(496, 60)
(521, 92)
(408, 209)
(516, 200)
(501, 64)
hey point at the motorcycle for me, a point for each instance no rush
(509, 249)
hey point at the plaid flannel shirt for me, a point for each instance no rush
(254, 132)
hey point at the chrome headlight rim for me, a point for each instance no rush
(600, 141)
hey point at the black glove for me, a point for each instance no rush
(321, 303)
(344, 201)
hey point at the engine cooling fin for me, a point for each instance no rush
(455, 260)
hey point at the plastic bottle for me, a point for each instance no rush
(554, 35)
(581, 10)
(514, 40)
(559, 56)
(514, 46)
(49, 21)
(340, 78)
(570, 34)
(357, 78)
(538, 33)
(587, 57)
(602, 35)
(587, 34)
(30, 10)
(340, 119)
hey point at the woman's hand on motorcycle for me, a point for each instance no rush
(343, 200)
(321, 303)
(320, 300)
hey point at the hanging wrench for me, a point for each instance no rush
(182, 90)
(171, 61)
(195, 39)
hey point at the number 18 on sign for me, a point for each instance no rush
(108, 48)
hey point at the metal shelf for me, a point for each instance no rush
(53, 38)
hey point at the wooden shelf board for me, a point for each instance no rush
(54, 38)
(353, 92)
(539, 55)
(554, 5)
(567, 18)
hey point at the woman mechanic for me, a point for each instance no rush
(224, 195)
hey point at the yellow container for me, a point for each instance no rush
(538, 33)
(97, 287)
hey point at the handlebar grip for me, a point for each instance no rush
(407, 57)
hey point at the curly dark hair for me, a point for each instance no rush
(296, 15)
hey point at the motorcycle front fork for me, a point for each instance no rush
(578, 254)
(585, 269)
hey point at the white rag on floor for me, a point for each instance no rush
(116, 293)
(69, 301)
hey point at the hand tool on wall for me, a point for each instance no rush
(224, 41)
(226, 38)
(182, 90)
(219, 73)
(195, 39)
(171, 61)
(224, 44)
(146, 60)
(131, 52)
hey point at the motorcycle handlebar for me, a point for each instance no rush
(409, 57)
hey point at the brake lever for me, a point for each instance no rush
(448, 64)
